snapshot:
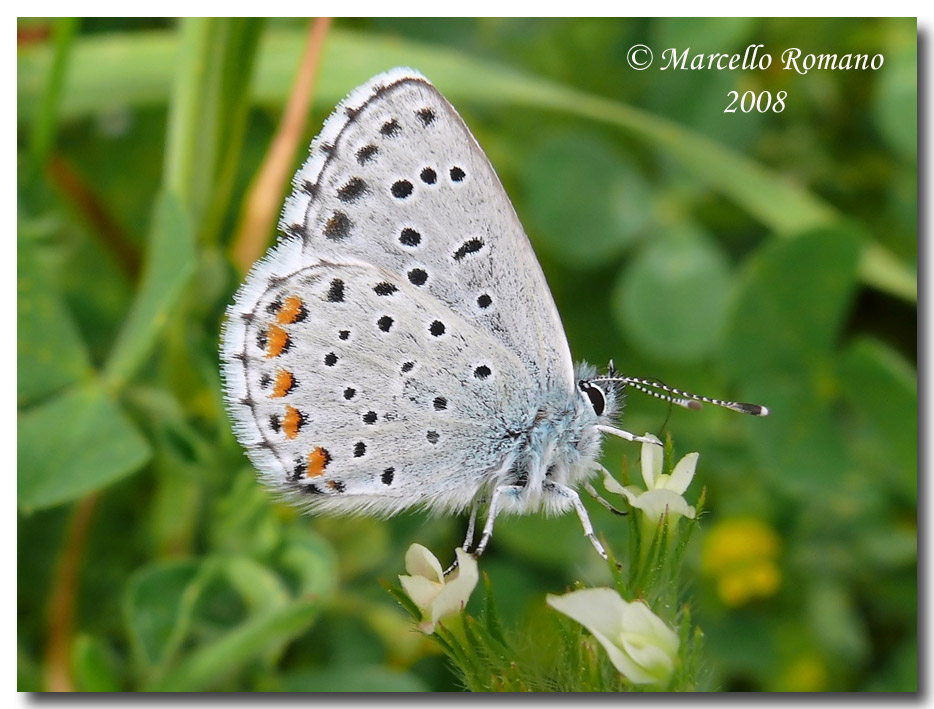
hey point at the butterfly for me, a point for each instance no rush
(399, 346)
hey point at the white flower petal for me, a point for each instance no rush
(632, 494)
(422, 591)
(655, 663)
(624, 662)
(609, 482)
(683, 473)
(661, 482)
(597, 609)
(638, 618)
(437, 599)
(421, 562)
(456, 592)
(654, 503)
(643, 652)
(651, 461)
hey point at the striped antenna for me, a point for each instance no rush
(683, 398)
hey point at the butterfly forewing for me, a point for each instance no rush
(397, 180)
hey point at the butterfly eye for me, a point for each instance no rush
(595, 394)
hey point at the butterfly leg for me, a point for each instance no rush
(468, 539)
(471, 525)
(495, 504)
(575, 500)
(596, 495)
(627, 435)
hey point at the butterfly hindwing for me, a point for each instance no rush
(365, 392)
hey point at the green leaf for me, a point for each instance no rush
(210, 664)
(94, 665)
(672, 297)
(260, 589)
(895, 108)
(400, 596)
(243, 520)
(169, 264)
(157, 610)
(580, 185)
(79, 442)
(791, 308)
(836, 623)
(313, 561)
(50, 352)
(262, 592)
(883, 388)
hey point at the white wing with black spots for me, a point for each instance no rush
(389, 351)
(397, 180)
(362, 391)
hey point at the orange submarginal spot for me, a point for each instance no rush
(277, 341)
(284, 383)
(318, 460)
(292, 421)
(291, 311)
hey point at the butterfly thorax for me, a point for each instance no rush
(556, 443)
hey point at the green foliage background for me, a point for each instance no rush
(763, 257)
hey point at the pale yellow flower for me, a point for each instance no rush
(639, 644)
(741, 554)
(436, 596)
(662, 492)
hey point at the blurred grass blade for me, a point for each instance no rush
(170, 262)
(75, 444)
(351, 58)
(259, 211)
(233, 107)
(207, 115)
(208, 666)
(45, 122)
(206, 121)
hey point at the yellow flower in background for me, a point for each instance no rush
(806, 673)
(436, 596)
(740, 555)
(637, 641)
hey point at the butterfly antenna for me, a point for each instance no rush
(683, 398)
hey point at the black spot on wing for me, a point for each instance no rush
(426, 116)
(471, 246)
(338, 226)
(366, 154)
